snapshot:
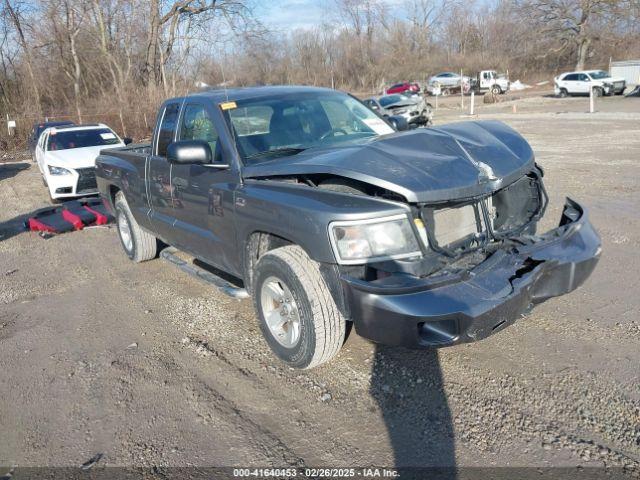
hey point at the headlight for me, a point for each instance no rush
(58, 170)
(377, 239)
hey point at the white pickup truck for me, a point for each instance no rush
(490, 81)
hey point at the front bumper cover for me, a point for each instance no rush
(447, 310)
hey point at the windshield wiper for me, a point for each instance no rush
(276, 151)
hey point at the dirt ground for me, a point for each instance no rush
(150, 367)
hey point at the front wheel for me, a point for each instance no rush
(495, 90)
(298, 316)
(597, 92)
(137, 244)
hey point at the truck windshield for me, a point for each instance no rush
(287, 124)
(61, 140)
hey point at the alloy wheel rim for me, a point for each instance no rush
(125, 232)
(280, 312)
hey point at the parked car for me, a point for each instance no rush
(413, 108)
(37, 130)
(403, 87)
(583, 82)
(447, 83)
(423, 238)
(66, 157)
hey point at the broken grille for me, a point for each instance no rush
(86, 180)
(464, 227)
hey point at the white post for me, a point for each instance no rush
(472, 102)
(437, 102)
(461, 91)
(591, 100)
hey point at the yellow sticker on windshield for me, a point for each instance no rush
(228, 105)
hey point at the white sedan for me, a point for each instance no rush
(66, 157)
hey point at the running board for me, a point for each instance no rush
(169, 254)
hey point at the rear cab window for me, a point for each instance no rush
(167, 128)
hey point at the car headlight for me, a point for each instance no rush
(58, 170)
(377, 239)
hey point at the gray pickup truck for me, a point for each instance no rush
(331, 218)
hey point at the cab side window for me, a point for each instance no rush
(167, 128)
(197, 125)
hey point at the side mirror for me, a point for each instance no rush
(127, 140)
(398, 123)
(189, 151)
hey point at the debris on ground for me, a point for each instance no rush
(91, 462)
(518, 85)
(74, 215)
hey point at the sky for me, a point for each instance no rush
(291, 14)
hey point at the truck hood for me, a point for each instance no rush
(76, 157)
(455, 161)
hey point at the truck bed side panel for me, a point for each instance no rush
(124, 170)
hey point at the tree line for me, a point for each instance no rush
(115, 60)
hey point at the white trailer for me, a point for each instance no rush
(627, 69)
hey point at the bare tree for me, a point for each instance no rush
(163, 25)
(13, 11)
(570, 24)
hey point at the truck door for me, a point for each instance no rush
(159, 173)
(203, 195)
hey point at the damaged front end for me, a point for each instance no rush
(481, 267)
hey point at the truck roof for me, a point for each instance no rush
(219, 95)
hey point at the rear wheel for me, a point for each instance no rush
(137, 244)
(298, 316)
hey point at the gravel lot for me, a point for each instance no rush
(153, 368)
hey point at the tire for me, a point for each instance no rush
(563, 93)
(495, 90)
(445, 92)
(597, 92)
(320, 325)
(139, 245)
